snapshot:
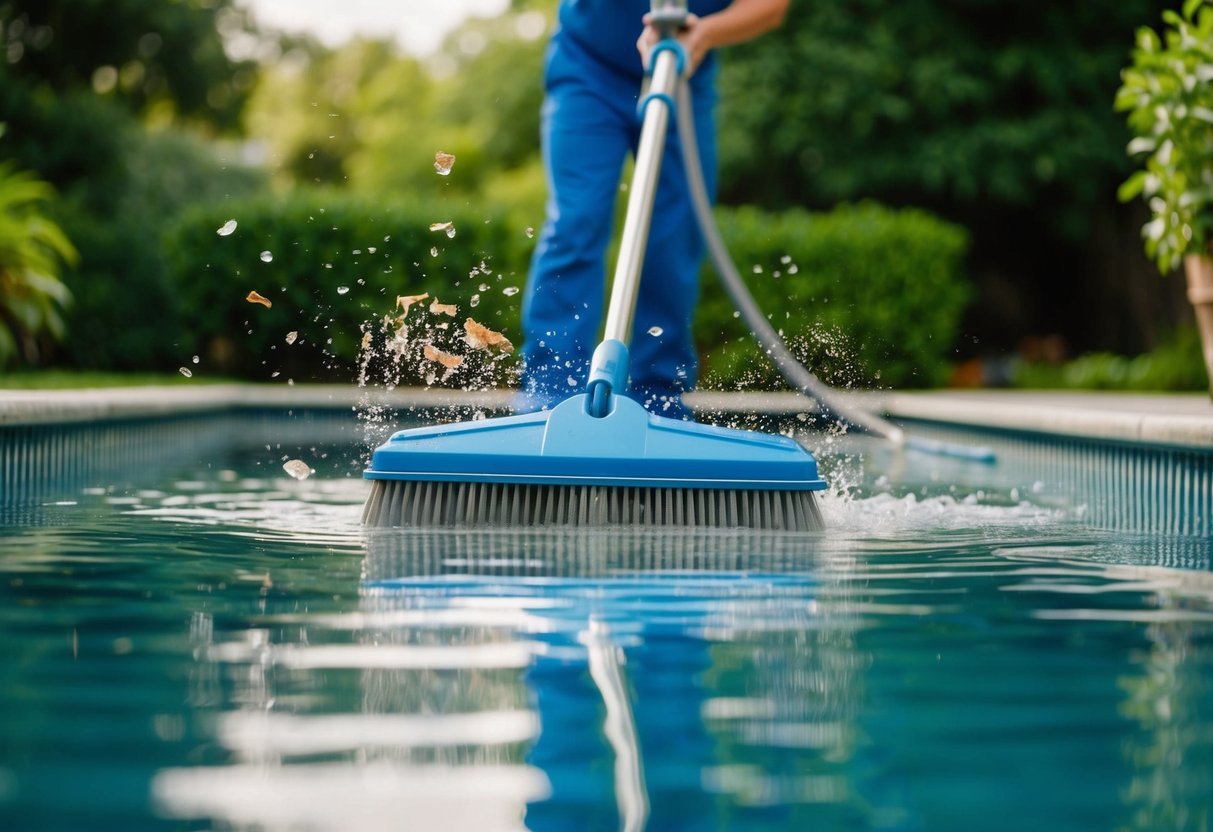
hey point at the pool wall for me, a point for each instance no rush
(1133, 463)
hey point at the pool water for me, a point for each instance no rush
(211, 644)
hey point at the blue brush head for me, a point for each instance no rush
(627, 447)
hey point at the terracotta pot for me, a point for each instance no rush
(1199, 270)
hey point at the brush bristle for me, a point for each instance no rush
(400, 503)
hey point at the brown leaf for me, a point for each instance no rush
(480, 337)
(443, 162)
(405, 301)
(437, 308)
(444, 358)
(256, 297)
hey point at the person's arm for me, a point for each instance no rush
(742, 20)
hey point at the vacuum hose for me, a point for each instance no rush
(792, 370)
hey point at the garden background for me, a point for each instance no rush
(921, 192)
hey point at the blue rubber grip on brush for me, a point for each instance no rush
(608, 375)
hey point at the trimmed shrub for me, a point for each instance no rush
(1175, 365)
(864, 295)
(125, 311)
(332, 267)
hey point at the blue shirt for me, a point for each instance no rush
(607, 30)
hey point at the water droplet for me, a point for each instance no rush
(196, 359)
(757, 269)
(227, 228)
(792, 269)
(343, 290)
(297, 468)
(443, 162)
(450, 232)
(434, 251)
(185, 371)
(572, 381)
(530, 232)
(291, 337)
(474, 301)
(736, 314)
(510, 291)
(371, 249)
(787, 258)
(267, 256)
(484, 287)
(655, 331)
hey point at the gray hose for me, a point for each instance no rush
(768, 339)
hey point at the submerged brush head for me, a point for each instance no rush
(566, 467)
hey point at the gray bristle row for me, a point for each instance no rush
(460, 504)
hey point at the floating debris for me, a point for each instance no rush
(480, 337)
(437, 308)
(256, 297)
(297, 468)
(443, 162)
(405, 301)
(436, 355)
(226, 229)
(292, 337)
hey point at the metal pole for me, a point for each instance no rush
(653, 134)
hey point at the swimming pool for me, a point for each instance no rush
(193, 639)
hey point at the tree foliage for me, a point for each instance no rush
(166, 57)
(98, 96)
(33, 251)
(938, 101)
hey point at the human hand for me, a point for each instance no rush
(691, 36)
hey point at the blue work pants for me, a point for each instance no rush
(590, 124)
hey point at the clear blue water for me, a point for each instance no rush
(211, 644)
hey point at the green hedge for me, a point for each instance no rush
(337, 265)
(1177, 364)
(864, 295)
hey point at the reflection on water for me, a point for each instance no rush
(227, 648)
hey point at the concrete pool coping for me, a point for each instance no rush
(1182, 420)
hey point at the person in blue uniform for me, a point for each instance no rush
(593, 76)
